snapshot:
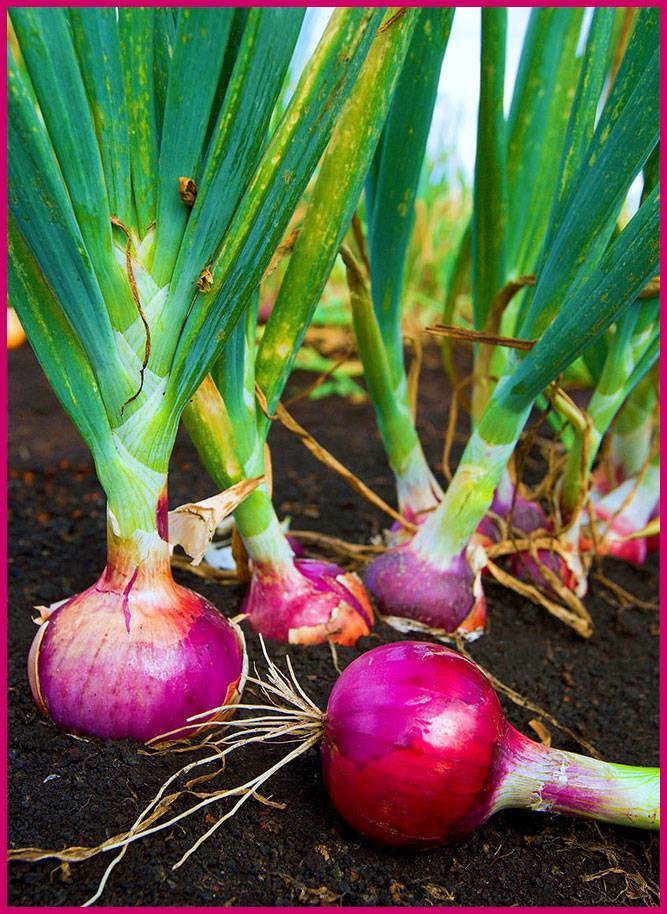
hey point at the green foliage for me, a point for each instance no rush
(489, 216)
(393, 179)
(105, 114)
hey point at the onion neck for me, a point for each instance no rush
(138, 533)
(447, 531)
(417, 488)
(263, 537)
(633, 433)
(544, 779)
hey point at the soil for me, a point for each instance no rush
(67, 791)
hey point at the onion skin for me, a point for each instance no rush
(526, 516)
(307, 602)
(653, 542)
(416, 752)
(412, 592)
(613, 542)
(135, 655)
(623, 511)
(524, 567)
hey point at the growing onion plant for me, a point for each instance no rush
(631, 352)
(390, 192)
(148, 190)
(588, 275)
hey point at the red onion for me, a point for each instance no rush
(415, 593)
(417, 752)
(303, 601)
(135, 655)
(527, 517)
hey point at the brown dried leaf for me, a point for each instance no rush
(205, 281)
(543, 732)
(478, 336)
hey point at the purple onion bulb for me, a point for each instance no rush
(135, 655)
(304, 601)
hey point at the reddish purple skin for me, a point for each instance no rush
(523, 566)
(162, 516)
(405, 585)
(527, 517)
(413, 745)
(297, 549)
(316, 599)
(633, 551)
(134, 662)
(653, 542)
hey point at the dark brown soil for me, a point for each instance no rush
(65, 791)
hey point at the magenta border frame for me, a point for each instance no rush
(3, 466)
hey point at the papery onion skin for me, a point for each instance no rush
(412, 592)
(307, 602)
(416, 752)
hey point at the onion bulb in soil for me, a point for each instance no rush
(135, 655)
(416, 592)
(303, 601)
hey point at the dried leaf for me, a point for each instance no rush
(477, 336)
(543, 732)
(193, 526)
(187, 190)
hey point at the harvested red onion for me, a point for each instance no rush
(135, 655)
(417, 752)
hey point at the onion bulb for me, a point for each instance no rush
(416, 752)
